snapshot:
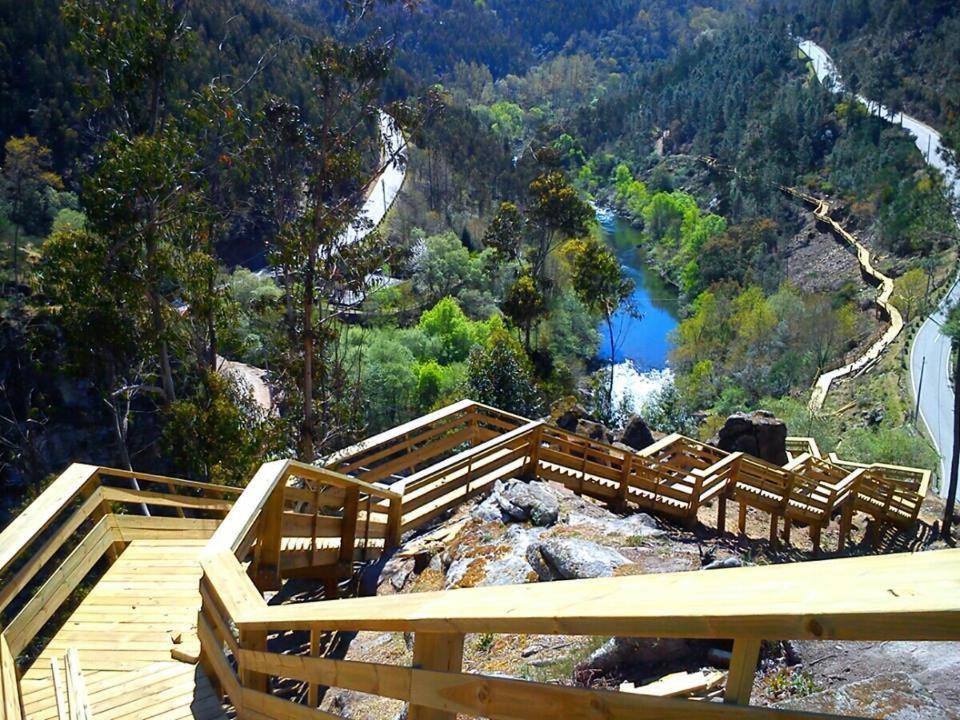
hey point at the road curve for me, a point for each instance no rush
(930, 351)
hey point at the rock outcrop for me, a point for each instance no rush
(636, 434)
(759, 433)
(573, 559)
(889, 695)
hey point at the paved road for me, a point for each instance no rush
(930, 352)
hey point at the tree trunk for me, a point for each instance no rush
(307, 435)
(613, 347)
(163, 351)
(955, 465)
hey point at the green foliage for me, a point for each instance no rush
(668, 412)
(901, 445)
(453, 332)
(447, 268)
(499, 374)
(524, 304)
(762, 344)
(219, 434)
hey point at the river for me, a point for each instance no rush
(642, 345)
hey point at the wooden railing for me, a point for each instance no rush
(899, 597)
(423, 442)
(47, 550)
(10, 703)
(337, 515)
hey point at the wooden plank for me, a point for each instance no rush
(211, 656)
(164, 480)
(40, 556)
(390, 681)
(434, 651)
(331, 477)
(76, 689)
(41, 512)
(348, 537)
(59, 586)
(274, 707)
(9, 688)
(230, 585)
(395, 433)
(241, 518)
(890, 597)
(743, 670)
(497, 697)
(58, 693)
(138, 527)
(125, 495)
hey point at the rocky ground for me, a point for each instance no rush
(542, 532)
(817, 263)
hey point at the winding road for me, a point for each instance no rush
(380, 197)
(930, 351)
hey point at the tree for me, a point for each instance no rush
(219, 435)
(342, 157)
(910, 292)
(446, 324)
(524, 304)
(555, 212)
(601, 286)
(500, 375)
(506, 232)
(951, 328)
(26, 168)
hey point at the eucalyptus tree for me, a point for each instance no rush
(323, 251)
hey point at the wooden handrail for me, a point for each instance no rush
(26, 526)
(888, 597)
(10, 702)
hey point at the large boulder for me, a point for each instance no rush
(759, 433)
(636, 434)
(524, 501)
(894, 695)
(518, 501)
(572, 559)
(595, 431)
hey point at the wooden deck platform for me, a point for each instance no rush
(123, 633)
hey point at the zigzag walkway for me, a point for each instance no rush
(822, 385)
(187, 585)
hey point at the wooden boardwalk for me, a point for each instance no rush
(123, 633)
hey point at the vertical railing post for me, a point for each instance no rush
(533, 464)
(442, 652)
(266, 568)
(743, 668)
(313, 690)
(348, 531)
(624, 481)
(103, 509)
(394, 523)
(253, 640)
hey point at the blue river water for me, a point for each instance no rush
(645, 342)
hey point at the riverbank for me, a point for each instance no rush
(643, 329)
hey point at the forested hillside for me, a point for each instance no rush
(156, 153)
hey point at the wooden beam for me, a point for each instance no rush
(42, 511)
(246, 510)
(348, 537)
(58, 587)
(266, 564)
(40, 556)
(439, 652)
(10, 701)
(498, 697)
(910, 596)
(743, 669)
